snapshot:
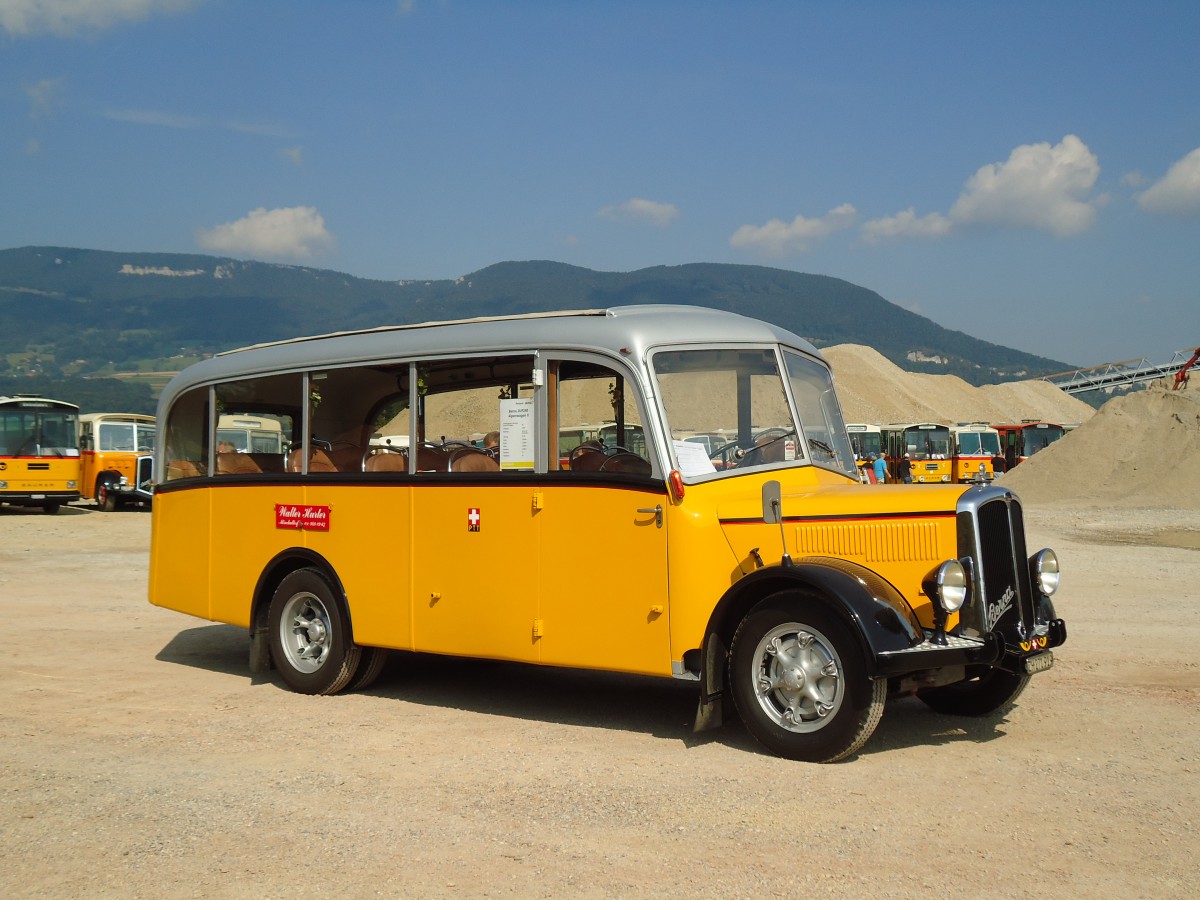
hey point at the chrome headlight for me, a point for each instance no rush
(947, 585)
(1043, 569)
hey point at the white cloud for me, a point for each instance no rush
(43, 95)
(294, 233)
(906, 224)
(639, 210)
(778, 237)
(72, 18)
(1177, 192)
(1040, 187)
(294, 155)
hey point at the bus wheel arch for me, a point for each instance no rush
(265, 648)
(799, 680)
(308, 631)
(106, 497)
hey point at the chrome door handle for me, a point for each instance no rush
(657, 510)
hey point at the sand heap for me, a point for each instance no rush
(1141, 449)
(874, 389)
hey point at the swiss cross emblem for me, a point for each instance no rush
(473, 519)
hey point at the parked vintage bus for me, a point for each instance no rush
(928, 447)
(39, 452)
(864, 440)
(775, 577)
(975, 446)
(1021, 441)
(250, 434)
(117, 455)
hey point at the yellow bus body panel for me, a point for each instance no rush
(603, 586)
(562, 574)
(179, 580)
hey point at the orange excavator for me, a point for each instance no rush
(1181, 377)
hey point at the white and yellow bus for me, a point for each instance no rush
(39, 452)
(976, 446)
(760, 567)
(117, 454)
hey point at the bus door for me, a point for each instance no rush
(603, 554)
(474, 565)
(474, 524)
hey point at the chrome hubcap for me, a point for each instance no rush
(798, 677)
(305, 631)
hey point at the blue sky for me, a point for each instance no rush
(1028, 173)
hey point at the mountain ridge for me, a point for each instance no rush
(90, 313)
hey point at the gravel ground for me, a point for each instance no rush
(138, 758)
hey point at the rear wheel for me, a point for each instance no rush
(51, 509)
(309, 631)
(370, 666)
(799, 681)
(994, 690)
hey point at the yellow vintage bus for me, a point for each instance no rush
(117, 455)
(927, 445)
(39, 452)
(759, 569)
(975, 446)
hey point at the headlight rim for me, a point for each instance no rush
(1045, 572)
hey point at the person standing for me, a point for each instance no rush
(880, 465)
(905, 470)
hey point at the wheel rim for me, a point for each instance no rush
(798, 677)
(306, 632)
(101, 495)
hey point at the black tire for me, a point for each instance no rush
(51, 509)
(799, 681)
(992, 691)
(370, 666)
(106, 500)
(309, 632)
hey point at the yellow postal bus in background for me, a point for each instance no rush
(39, 452)
(117, 452)
(759, 568)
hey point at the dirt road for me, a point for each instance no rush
(139, 759)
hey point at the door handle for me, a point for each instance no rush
(657, 510)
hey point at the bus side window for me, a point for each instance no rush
(599, 426)
(187, 436)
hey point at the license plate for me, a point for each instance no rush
(37, 496)
(1039, 663)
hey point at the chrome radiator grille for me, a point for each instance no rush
(991, 533)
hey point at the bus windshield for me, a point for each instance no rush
(927, 441)
(38, 432)
(126, 436)
(741, 396)
(978, 443)
(1039, 437)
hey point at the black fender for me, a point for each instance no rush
(874, 610)
(109, 478)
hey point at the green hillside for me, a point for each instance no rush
(89, 314)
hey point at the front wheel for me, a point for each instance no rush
(106, 499)
(799, 681)
(309, 632)
(992, 691)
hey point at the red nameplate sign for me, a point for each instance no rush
(309, 518)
